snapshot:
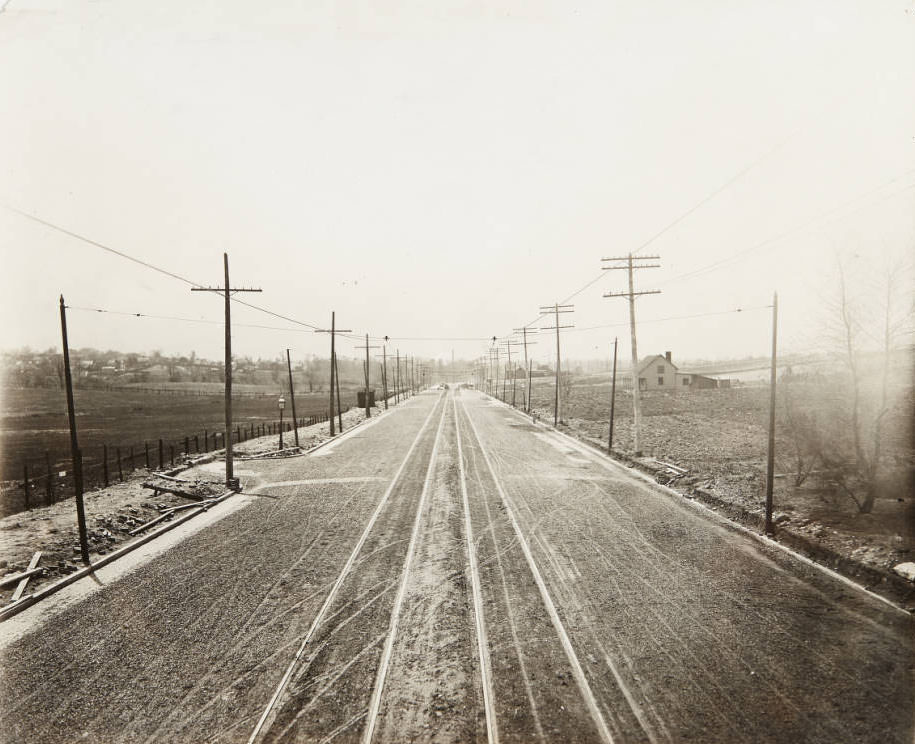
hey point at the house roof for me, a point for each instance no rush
(647, 361)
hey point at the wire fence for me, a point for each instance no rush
(51, 479)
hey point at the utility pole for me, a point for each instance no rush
(397, 378)
(368, 409)
(530, 373)
(612, 399)
(339, 406)
(228, 291)
(384, 371)
(508, 345)
(770, 463)
(74, 444)
(527, 395)
(295, 421)
(632, 294)
(556, 309)
(333, 331)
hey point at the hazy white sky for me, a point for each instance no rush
(443, 169)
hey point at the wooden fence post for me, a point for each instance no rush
(50, 484)
(161, 458)
(196, 444)
(171, 454)
(131, 458)
(187, 446)
(206, 441)
(147, 454)
(25, 486)
(120, 468)
(105, 463)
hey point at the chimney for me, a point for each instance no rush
(667, 356)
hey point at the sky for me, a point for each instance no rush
(438, 172)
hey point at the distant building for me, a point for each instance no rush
(660, 373)
(657, 373)
(695, 381)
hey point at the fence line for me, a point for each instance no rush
(43, 483)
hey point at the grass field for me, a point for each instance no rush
(34, 420)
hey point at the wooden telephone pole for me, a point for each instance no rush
(74, 443)
(612, 400)
(508, 346)
(333, 331)
(384, 371)
(632, 294)
(527, 393)
(770, 460)
(228, 291)
(556, 309)
(368, 409)
(295, 421)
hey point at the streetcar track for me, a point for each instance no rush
(578, 671)
(492, 729)
(383, 664)
(516, 644)
(270, 709)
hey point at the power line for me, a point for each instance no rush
(674, 317)
(713, 194)
(104, 247)
(152, 267)
(180, 319)
(715, 265)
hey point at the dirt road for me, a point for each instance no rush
(451, 572)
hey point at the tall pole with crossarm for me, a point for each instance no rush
(333, 331)
(228, 291)
(556, 309)
(625, 263)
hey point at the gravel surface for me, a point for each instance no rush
(607, 607)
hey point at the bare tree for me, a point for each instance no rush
(857, 472)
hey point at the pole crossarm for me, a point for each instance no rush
(553, 328)
(626, 258)
(633, 294)
(223, 289)
(338, 330)
(634, 266)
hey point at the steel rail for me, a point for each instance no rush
(385, 661)
(566, 642)
(492, 729)
(261, 726)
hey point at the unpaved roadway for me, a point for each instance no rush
(452, 572)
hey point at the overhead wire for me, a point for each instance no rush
(153, 267)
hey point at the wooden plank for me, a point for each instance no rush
(24, 583)
(13, 578)
(172, 478)
(177, 491)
